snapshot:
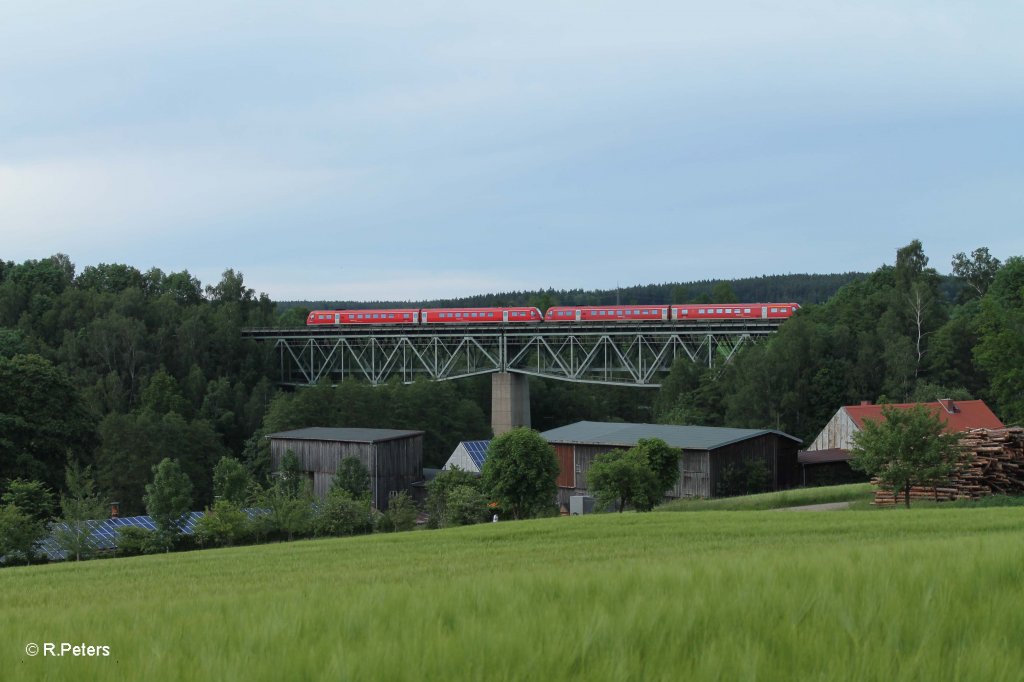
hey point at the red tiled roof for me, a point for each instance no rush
(959, 415)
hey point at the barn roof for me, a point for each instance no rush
(686, 437)
(345, 435)
(823, 456)
(959, 415)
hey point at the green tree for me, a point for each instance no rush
(162, 395)
(41, 418)
(231, 481)
(19, 533)
(400, 514)
(1000, 349)
(978, 271)
(623, 477)
(444, 506)
(352, 476)
(663, 461)
(168, 500)
(520, 472)
(289, 510)
(340, 513)
(81, 510)
(31, 497)
(224, 524)
(906, 448)
(292, 479)
(722, 293)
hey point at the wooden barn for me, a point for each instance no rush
(827, 460)
(705, 452)
(394, 458)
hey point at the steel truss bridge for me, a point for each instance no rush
(633, 354)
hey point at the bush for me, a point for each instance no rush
(341, 514)
(400, 516)
(133, 541)
(747, 478)
(223, 525)
(439, 491)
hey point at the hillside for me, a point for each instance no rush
(926, 594)
(802, 288)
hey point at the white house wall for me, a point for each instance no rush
(838, 433)
(460, 458)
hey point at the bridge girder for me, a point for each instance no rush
(615, 354)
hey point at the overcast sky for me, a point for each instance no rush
(414, 150)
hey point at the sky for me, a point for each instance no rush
(417, 150)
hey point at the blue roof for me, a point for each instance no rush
(105, 532)
(477, 450)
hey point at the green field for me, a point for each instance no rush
(930, 594)
(859, 493)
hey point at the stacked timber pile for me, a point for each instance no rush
(993, 463)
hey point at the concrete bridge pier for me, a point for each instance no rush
(510, 402)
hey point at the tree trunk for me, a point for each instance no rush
(906, 494)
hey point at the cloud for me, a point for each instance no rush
(98, 204)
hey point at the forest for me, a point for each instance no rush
(116, 369)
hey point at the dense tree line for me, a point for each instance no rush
(805, 289)
(899, 335)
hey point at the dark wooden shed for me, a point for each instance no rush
(705, 452)
(394, 458)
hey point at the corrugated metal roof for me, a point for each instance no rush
(959, 415)
(345, 435)
(686, 437)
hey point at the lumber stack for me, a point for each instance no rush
(993, 463)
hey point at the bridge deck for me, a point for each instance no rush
(630, 353)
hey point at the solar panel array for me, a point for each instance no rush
(105, 533)
(477, 450)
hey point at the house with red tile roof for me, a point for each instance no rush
(830, 451)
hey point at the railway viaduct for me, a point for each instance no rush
(630, 354)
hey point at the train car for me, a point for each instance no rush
(480, 315)
(727, 311)
(607, 313)
(346, 317)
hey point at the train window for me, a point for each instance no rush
(775, 310)
(728, 311)
(458, 314)
(490, 314)
(391, 316)
(405, 316)
(746, 311)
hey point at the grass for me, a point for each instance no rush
(930, 594)
(854, 492)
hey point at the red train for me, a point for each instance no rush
(608, 313)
